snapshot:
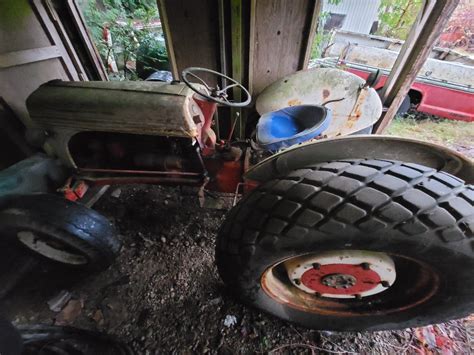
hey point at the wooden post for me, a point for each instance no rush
(223, 38)
(252, 43)
(313, 28)
(281, 36)
(428, 26)
(168, 38)
(222, 41)
(86, 38)
(237, 63)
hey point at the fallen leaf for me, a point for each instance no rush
(98, 317)
(69, 313)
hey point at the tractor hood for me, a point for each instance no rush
(116, 106)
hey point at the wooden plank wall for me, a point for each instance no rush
(23, 41)
(254, 41)
(192, 34)
(36, 47)
(281, 34)
(277, 36)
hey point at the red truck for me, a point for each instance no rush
(442, 88)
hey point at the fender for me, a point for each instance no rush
(364, 147)
(38, 173)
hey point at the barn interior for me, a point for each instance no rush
(256, 42)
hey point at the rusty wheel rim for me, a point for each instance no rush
(415, 284)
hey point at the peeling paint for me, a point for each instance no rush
(294, 102)
(353, 108)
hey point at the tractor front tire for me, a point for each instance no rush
(59, 230)
(354, 245)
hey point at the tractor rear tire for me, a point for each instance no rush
(60, 230)
(418, 220)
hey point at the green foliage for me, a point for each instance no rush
(397, 17)
(322, 37)
(131, 6)
(151, 56)
(12, 13)
(127, 21)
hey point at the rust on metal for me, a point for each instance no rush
(294, 102)
(340, 279)
(283, 292)
(227, 174)
(356, 112)
(354, 107)
(138, 172)
(111, 180)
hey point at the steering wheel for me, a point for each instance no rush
(215, 94)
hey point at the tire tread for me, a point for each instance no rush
(365, 194)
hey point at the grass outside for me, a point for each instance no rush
(457, 135)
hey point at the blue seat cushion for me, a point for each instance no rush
(292, 125)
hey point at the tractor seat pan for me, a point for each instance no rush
(292, 125)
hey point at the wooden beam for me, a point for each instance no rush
(407, 49)
(252, 42)
(222, 40)
(192, 35)
(50, 31)
(168, 38)
(86, 38)
(65, 40)
(428, 26)
(237, 63)
(313, 27)
(279, 39)
(14, 59)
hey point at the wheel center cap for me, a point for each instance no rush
(342, 273)
(339, 281)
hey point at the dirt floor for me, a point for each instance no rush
(164, 295)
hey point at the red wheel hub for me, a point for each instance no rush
(340, 279)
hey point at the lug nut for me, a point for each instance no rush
(385, 283)
(365, 266)
(316, 266)
(297, 281)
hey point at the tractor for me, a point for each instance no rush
(336, 229)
